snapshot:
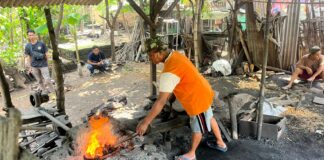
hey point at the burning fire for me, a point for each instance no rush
(99, 139)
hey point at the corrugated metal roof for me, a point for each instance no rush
(21, 3)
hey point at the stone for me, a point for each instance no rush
(150, 148)
(239, 100)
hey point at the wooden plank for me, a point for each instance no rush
(223, 129)
(284, 102)
(9, 131)
(246, 52)
(318, 100)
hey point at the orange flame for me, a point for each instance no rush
(99, 137)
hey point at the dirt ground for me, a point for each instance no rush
(300, 141)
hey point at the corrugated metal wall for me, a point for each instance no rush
(289, 36)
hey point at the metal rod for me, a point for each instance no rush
(264, 68)
(36, 128)
(34, 134)
(53, 119)
(127, 139)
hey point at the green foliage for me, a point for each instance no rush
(9, 54)
(127, 8)
(155, 44)
(74, 19)
(42, 29)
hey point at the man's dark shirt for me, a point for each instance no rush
(38, 47)
(96, 58)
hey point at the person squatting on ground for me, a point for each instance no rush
(309, 68)
(97, 60)
(191, 89)
(37, 58)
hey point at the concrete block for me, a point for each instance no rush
(273, 127)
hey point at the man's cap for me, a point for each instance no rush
(314, 49)
(155, 44)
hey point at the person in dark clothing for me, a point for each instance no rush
(37, 56)
(97, 60)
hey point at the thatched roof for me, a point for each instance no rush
(21, 3)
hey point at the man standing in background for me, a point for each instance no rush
(37, 55)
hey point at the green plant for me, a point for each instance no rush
(155, 44)
(9, 55)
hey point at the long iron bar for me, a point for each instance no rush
(53, 119)
(264, 67)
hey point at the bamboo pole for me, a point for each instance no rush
(264, 67)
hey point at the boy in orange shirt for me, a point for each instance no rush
(191, 89)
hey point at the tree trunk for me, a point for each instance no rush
(5, 91)
(11, 29)
(60, 98)
(233, 29)
(75, 36)
(112, 25)
(153, 69)
(82, 22)
(18, 79)
(58, 27)
(197, 32)
(25, 18)
(112, 43)
(153, 35)
(21, 64)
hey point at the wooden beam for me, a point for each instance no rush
(246, 52)
(140, 12)
(223, 129)
(60, 98)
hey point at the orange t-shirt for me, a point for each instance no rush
(193, 90)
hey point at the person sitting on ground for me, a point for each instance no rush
(97, 60)
(192, 90)
(309, 68)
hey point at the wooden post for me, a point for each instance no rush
(234, 24)
(60, 98)
(233, 118)
(10, 128)
(264, 68)
(5, 91)
(75, 37)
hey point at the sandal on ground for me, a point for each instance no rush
(214, 145)
(183, 157)
(286, 87)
